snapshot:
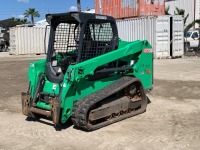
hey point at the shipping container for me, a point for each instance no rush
(162, 37)
(177, 36)
(130, 8)
(141, 28)
(164, 33)
(28, 40)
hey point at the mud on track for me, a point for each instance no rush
(172, 119)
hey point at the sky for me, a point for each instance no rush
(16, 8)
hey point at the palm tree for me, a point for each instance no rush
(182, 13)
(167, 11)
(33, 13)
(190, 25)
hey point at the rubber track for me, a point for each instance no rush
(81, 107)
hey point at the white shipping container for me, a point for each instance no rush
(164, 33)
(151, 31)
(28, 40)
(162, 37)
(177, 40)
(141, 28)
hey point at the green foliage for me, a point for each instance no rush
(20, 21)
(179, 11)
(182, 13)
(32, 13)
(191, 25)
(167, 11)
(185, 19)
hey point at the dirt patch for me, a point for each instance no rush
(192, 53)
(176, 90)
(186, 69)
(13, 78)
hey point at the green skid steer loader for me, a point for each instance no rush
(89, 74)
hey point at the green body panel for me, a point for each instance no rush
(51, 88)
(79, 90)
(34, 70)
(43, 105)
(75, 84)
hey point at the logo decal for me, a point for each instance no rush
(148, 50)
(54, 87)
(101, 17)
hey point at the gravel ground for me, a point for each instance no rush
(172, 119)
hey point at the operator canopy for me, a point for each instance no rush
(83, 34)
(75, 17)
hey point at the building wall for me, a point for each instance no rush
(197, 13)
